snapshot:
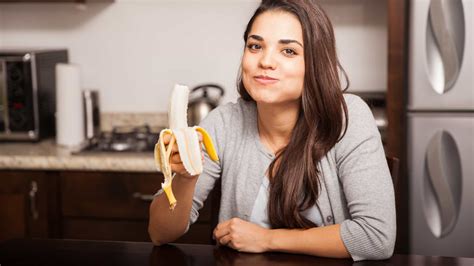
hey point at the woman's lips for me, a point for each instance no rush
(265, 80)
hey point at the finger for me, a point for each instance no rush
(179, 169)
(166, 142)
(174, 149)
(200, 136)
(219, 233)
(166, 138)
(231, 245)
(225, 240)
(175, 158)
(222, 229)
(214, 233)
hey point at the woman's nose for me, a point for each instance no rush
(267, 60)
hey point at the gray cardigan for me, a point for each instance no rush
(356, 191)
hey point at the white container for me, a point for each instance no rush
(69, 107)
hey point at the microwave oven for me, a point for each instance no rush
(28, 93)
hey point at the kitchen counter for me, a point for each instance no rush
(46, 155)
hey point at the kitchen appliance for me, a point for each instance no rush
(90, 100)
(124, 139)
(201, 102)
(27, 93)
(441, 127)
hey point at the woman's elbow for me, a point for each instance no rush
(154, 237)
(389, 243)
(161, 237)
(385, 249)
(375, 253)
(380, 246)
(385, 252)
(156, 242)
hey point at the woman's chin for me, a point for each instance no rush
(265, 99)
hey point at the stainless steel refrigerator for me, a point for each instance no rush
(440, 123)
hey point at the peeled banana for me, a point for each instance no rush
(187, 139)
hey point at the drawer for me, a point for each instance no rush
(112, 195)
(106, 194)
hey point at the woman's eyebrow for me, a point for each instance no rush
(256, 37)
(282, 41)
(287, 41)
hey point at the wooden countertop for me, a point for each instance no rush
(46, 155)
(82, 252)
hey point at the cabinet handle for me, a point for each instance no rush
(144, 197)
(33, 191)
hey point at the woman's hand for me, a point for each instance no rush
(175, 159)
(242, 235)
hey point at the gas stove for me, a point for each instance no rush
(124, 139)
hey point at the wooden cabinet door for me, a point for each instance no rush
(108, 195)
(115, 206)
(27, 204)
(107, 205)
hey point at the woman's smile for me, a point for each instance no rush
(265, 80)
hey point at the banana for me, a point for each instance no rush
(187, 140)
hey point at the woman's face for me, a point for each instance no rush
(273, 62)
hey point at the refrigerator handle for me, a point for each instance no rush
(445, 36)
(442, 195)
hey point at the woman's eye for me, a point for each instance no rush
(254, 46)
(289, 51)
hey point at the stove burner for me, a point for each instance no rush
(121, 139)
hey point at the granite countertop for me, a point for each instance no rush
(46, 155)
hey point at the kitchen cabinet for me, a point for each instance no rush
(105, 205)
(28, 204)
(115, 206)
(87, 205)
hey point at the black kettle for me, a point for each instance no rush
(200, 106)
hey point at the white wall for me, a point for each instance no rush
(362, 41)
(133, 51)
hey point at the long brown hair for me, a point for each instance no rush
(322, 119)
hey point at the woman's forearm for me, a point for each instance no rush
(167, 225)
(320, 241)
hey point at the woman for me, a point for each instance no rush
(302, 166)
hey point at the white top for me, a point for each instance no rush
(260, 211)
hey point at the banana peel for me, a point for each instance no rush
(186, 138)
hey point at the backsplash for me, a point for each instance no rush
(156, 121)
